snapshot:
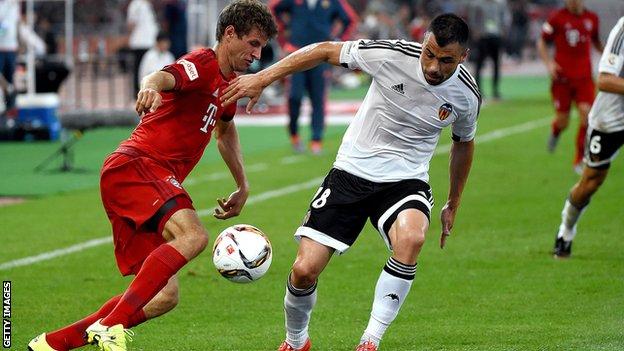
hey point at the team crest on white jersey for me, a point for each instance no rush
(445, 111)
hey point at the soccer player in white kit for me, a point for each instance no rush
(381, 170)
(604, 138)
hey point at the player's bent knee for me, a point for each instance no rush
(411, 240)
(304, 274)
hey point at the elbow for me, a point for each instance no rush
(604, 82)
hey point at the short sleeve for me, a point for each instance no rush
(549, 28)
(612, 59)
(229, 113)
(191, 71)
(465, 127)
(370, 55)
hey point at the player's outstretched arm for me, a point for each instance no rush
(610, 83)
(459, 168)
(149, 98)
(310, 56)
(230, 150)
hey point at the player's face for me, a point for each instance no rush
(245, 49)
(439, 63)
(575, 6)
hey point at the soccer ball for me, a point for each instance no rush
(242, 253)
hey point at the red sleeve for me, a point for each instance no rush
(549, 28)
(596, 33)
(192, 71)
(229, 113)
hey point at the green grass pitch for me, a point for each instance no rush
(495, 286)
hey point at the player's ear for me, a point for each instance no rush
(229, 32)
(464, 56)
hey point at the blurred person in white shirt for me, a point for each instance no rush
(157, 57)
(141, 20)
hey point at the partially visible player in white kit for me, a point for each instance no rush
(604, 137)
(381, 171)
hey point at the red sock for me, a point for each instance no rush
(72, 336)
(580, 144)
(555, 130)
(154, 274)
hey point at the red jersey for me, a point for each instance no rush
(177, 133)
(573, 36)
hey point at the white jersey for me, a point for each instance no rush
(396, 129)
(607, 113)
(141, 15)
(9, 18)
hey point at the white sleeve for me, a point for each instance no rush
(134, 13)
(612, 59)
(465, 127)
(370, 55)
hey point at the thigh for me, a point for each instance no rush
(601, 148)
(134, 192)
(337, 213)
(408, 194)
(584, 91)
(561, 95)
(297, 85)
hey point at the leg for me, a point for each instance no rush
(72, 336)
(562, 99)
(495, 48)
(187, 239)
(316, 89)
(583, 109)
(297, 83)
(574, 206)
(407, 235)
(312, 258)
(481, 47)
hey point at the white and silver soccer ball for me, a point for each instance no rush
(242, 253)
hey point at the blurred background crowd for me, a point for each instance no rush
(91, 51)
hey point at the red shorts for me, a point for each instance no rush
(565, 90)
(133, 189)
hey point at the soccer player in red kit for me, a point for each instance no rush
(156, 230)
(573, 30)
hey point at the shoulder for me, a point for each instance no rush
(203, 56)
(467, 89)
(392, 48)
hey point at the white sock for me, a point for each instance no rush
(392, 288)
(569, 217)
(298, 305)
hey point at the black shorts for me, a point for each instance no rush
(344, 202)
(601, 148)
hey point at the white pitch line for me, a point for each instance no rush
(493, 135)
(291, 159)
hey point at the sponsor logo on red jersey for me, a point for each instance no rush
(189, 68)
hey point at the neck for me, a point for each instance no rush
(223, 60)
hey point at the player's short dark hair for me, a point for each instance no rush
(449, 28)
(162, 36)
(244, 15)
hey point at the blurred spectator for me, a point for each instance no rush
(303, 22)
(157, 57)
(519, 28)
(143, 28)
(177, 26)
(44, 29)
(9, 22)
(488, 22)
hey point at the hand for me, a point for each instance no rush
(148, 100)
(553, 69)
(233, 206)
(447, 216)
(249, 85)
